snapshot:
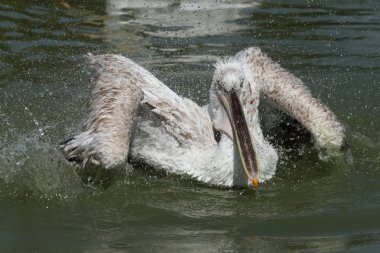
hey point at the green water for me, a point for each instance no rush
(312, 204)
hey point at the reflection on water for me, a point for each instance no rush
(180, 19)
(311, 205)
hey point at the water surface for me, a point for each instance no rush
(313, 203)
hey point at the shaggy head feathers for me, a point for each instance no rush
(229, 74)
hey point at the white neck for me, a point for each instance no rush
(221, 165)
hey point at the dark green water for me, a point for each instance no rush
(312, 204)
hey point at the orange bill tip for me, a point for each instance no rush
(255, 183)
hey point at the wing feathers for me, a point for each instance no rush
(291, 95)
(119, 85)
(107, 131)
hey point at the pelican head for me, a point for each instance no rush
(234, 104)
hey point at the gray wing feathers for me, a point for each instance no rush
(182, 118)
(185, 120)
(118, 87)
(291, 95)
(107, 131)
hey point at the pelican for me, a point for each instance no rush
(178, 136)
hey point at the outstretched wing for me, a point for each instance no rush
(115, 97)
(118, 87)
(291, 95)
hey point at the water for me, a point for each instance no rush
(312, 204)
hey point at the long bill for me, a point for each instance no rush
(242, 135)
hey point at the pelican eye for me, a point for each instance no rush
(241, 83)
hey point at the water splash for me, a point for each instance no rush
(30, 165)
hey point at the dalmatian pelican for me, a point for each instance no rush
(182, 138)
